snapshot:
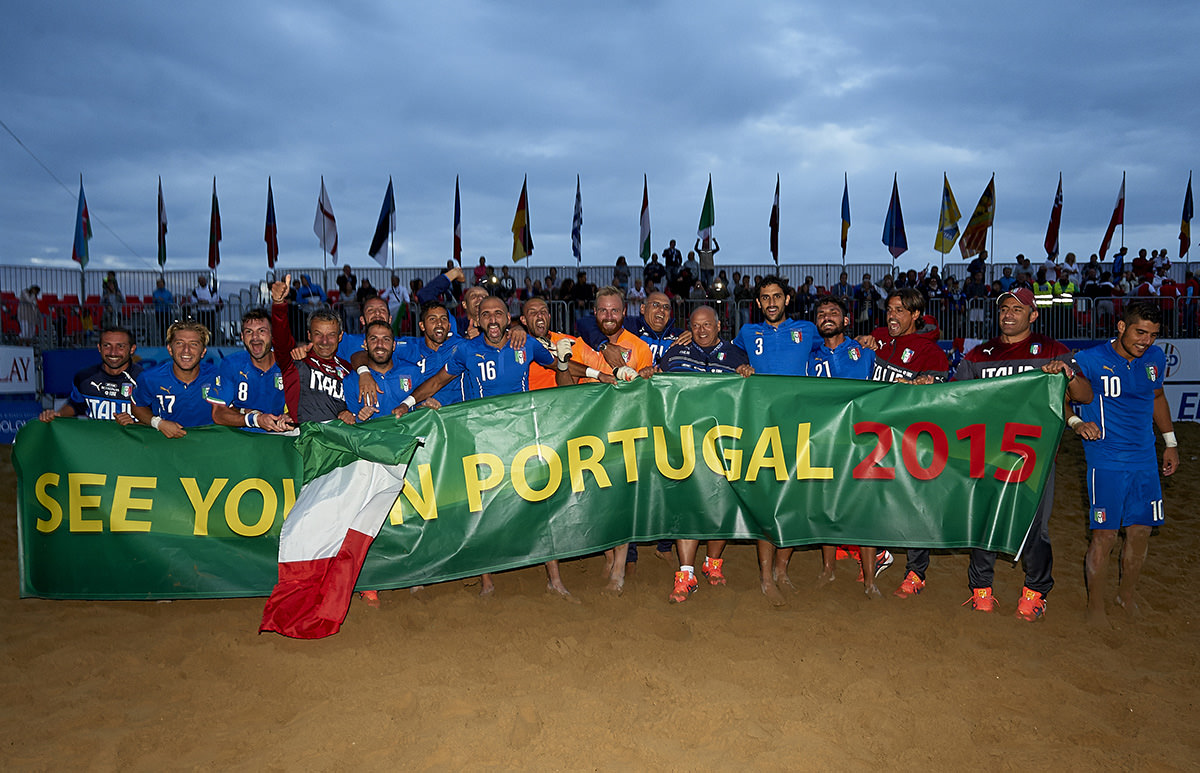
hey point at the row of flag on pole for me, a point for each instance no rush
(971, 241)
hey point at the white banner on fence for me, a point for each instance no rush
(17, 374)
(1182, 386)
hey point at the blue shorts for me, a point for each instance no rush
(1118, 498)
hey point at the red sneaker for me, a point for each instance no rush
(982, 600)
(912, 586)
(1032, 605)
(712, 570)
(685, 585)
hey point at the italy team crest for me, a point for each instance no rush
(795, 336)
(406, 384)
(279, 382)
(1034, 349)
(854, 355)
(1099, 515)
(1152, 372)
(126, 390)
(520, 353)
(906, 355)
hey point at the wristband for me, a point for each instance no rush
(408, 402)
(156, 421)
(1169, 439)
(362, 370)
(562, 365)
(1074, 422)
(592, 373)
(252, 419)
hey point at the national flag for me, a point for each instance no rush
(1117, 219)
(457, 225)
(577, 226)
(1185, 226)
(708, 216)
(325, 225)
(947, 233)
(352, 476)
(644, 238)
(522, 237)
(214, 232)
(271, 232)
(1055, 219)
(774, 224)
(83, 230)
(974, 239)
(893, 227)
(162, 227)
(845, 213)
(385, 226)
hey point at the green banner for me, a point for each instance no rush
(121, 512)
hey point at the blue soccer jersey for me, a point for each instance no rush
(350, 343)
(98, 395)
(242, 384)
(783, 350)
(722, 357)
(170, 398)
(429, 361)
(488, 371)
(1123, 406)
(395, 385)
(848, 360)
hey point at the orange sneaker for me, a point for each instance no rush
(1032, 605)
(912, 586)
(982, 600)
(685, 585)
(712, 570)
(371, 597)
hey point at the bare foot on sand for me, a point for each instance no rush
(1130, 606)
(783, 582)
(561, 591)
(771, 591)
(825, 577)
(872, 591)
(615, 587)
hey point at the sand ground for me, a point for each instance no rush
(525, 681)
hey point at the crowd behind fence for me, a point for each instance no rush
(73, 307)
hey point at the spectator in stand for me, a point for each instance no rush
(506, 286)
(308, 294)
(565, 290)
(654, 271)
(634, 299)
(743, 296)
(621, 274)
(673, 259)
(954, 305)
(1128, 284)
(583, 295)
(537, 291)
(806, 296)
(205, 304)
(1051, 265)
(164, 307)
(365, 291)
(347, 284)
(113, 299)
(979, 264)
(550, 283)
(1024, 265)
(1071, 269)
(975, 287)
(866, 299)
(697, 291)
(1024, 279)
(1142, 268)
(691, 266)
(931, 288)
(1007, 280)
(397, 297)
(707, 252)
(1094, 262)
(842, 289)
(481, 270)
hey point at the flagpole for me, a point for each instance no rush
(1122, 210)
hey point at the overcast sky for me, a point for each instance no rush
(357, 91)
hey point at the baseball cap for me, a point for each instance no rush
(1023, 296)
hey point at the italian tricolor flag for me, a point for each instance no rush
(352, 477)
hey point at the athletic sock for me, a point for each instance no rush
(691, 570)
